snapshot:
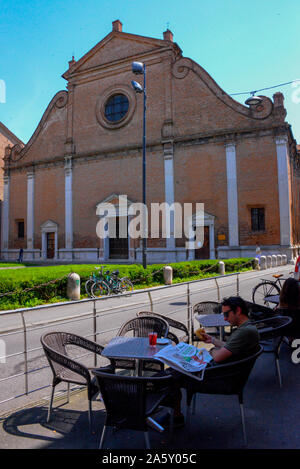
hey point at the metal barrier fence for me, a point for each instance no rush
(96, 314)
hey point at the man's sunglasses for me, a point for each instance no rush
(226, 313)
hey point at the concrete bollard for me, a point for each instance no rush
(221, 268)
(279, 259)
(274, 260)
(73, 286)
(263, 262)
(284, 259)
(269, 262)
(256, 264)
(168, 275)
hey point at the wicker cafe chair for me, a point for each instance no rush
(271, 332)
(257, 312)
(204, 307)
(293, 329)
(226, 379)
(130, 400)
(140, 327)
(66, 369)
(172, 323)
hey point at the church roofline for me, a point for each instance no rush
(159, 43)
(10, 135)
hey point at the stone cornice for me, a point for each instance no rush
(117, 66)
(222, 137)
(230, 135)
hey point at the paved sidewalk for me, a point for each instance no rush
(272, 419)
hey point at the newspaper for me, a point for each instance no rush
(185, 358)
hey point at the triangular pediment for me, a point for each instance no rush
(114, 205)
(115, 47)
(202, 217)
(116, 199)
(49, 224)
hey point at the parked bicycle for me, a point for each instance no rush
(107, 283)
(267, 288)
(99, 280)
(119, 285)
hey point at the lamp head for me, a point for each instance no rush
(253, 100)
(137, 87)
(137, 68)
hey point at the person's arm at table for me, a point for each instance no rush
(219, 353)
(208, 339)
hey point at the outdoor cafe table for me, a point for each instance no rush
(137, 348)
(272, 299)
(213, 320)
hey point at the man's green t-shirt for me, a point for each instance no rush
(244, 341)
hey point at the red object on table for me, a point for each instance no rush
(152, 338)
(297, 269)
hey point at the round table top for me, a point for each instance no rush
(212, 320)
(272, 299)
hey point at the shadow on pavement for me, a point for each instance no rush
(272, 419)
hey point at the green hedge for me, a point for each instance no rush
(30, 277)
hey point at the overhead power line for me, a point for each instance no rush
(263, 89)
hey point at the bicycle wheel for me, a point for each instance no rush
(100, 289)
(88, 286)
(262, 290)
(126, 285)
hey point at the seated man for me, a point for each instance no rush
(242, 342)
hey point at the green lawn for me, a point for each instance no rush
(31, 287)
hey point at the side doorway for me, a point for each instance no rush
(50, 245)
(118, 247)
(204, 252)
(49, 232)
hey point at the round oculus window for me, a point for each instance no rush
(116, 107)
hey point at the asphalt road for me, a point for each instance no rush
(79, 319)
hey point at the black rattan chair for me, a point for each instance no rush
(204, 307)
(258, 312)
(172, 323)
(293, 329)
(226, 379)
(271, 332)
(66, 369)
(140, 327)
(129, 401)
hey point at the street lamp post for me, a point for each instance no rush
(138, 68)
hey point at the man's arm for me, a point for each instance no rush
(208, 339)
(217, 342)
(220, 353)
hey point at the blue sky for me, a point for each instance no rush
(244, 45)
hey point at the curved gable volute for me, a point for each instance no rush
(182, 68)
(58, 106)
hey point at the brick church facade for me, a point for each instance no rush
(240, 161)
(7, 139)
